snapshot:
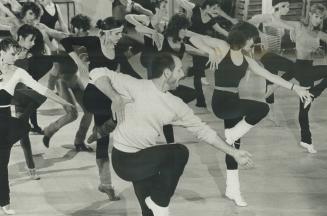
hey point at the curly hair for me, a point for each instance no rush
(176, 23)
(318, 9)
(36, 9)
(81, 21)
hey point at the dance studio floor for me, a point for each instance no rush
(286, 180)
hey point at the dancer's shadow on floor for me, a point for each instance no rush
(112, 208)
(43, 163)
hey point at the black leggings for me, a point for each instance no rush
(274, 63)
(100, 105)
(11, 130)
(307, 74)
(185, 93)
(199, 66)
(229, 107)
(154, 172)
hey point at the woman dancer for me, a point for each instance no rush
(239, 115)
(102, 53)
(12, 129)
(307, 37)
(205, 21)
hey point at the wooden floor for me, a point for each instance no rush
(285, 181)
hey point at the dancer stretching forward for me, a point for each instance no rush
(153, 169)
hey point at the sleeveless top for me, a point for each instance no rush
(228, 74)
(48, 19)
(5, 98)
(167, 48)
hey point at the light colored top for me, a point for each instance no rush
(21, 76)
(151, 109)
(306, 42)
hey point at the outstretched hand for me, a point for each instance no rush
(118, 108)
(213, 59)
(244, 158)
(303, 92)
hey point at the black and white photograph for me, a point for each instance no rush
(163, 107)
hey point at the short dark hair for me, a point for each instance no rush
(8, 43)
(26, 30)
(176, 23)
(108, 23)
(159, 63)
(240, 33)
(81, 21)
(211, 3)
(30, 6)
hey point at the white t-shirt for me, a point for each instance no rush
(151, 109)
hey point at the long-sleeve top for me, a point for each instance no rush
(7, 88)
(149, 111)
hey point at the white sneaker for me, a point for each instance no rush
(236, 197)
(6, 209)
(204, 81)
(157, 210)
(309, 147)
(307, 102)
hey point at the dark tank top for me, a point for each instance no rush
(5, 98)
(48, 19)
(228, 74)
(167, 48)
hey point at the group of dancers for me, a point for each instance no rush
(136, 110)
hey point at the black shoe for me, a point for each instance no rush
(37, 130)
(46, 141)
(83, 147)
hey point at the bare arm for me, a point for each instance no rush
(220, 30)
(257, 69)
(6, 11)
(186, 5)
(140, 22)
(62, 23)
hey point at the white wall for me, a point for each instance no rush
(95, 9)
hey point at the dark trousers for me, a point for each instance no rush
(185, 93)
(307, 74)
(274, 63)
(199, 66)
(154, 172)
(11, 130)
(100, 105)
(26, 103)
(232, 109)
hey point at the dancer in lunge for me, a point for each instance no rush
(142, 108)
(239, 115)
(71, 88)
(13, 129)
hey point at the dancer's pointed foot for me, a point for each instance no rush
(309, 147)
(7, 210)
